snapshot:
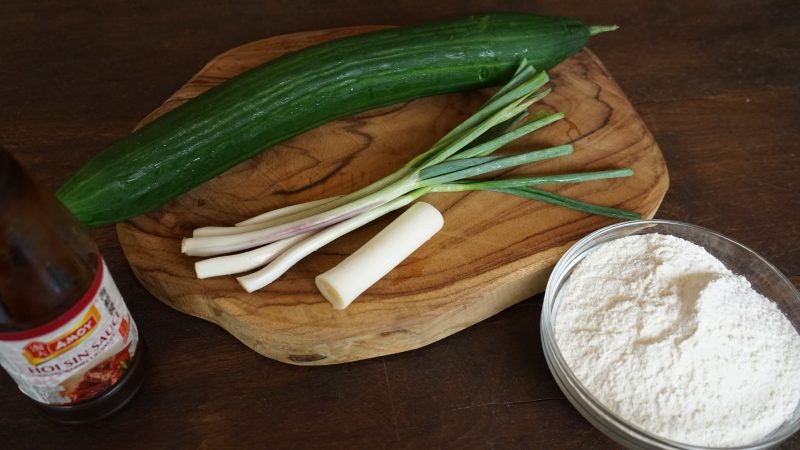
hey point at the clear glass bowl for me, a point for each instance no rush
(763, 276)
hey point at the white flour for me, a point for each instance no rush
(672, 341)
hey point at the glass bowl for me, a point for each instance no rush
(762, 275)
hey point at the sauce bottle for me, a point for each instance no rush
(66, 336)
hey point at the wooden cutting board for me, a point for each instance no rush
(493, 251)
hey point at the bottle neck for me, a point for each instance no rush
(47, 259)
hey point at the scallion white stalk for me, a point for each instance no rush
(386, 250)
(242, 262)
(290, 257)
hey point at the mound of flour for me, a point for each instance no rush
(670, 340)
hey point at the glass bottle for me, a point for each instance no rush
(66, 337)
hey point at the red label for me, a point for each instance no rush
(80, 354)
(124, 328)
(37, 352)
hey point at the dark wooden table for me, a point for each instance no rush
(717, 82)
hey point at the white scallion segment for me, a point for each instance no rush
(269, 273)
(351, 277)
(261, 221)
(285, 211)
(220, 245)
(242, 262)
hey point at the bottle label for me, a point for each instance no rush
(79, 354)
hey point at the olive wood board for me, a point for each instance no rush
(494, 250)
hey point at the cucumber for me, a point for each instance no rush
(301, 90)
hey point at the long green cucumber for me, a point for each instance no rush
(301, 90)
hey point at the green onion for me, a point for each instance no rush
(450, 165)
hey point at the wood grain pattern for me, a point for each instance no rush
(493, 251)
